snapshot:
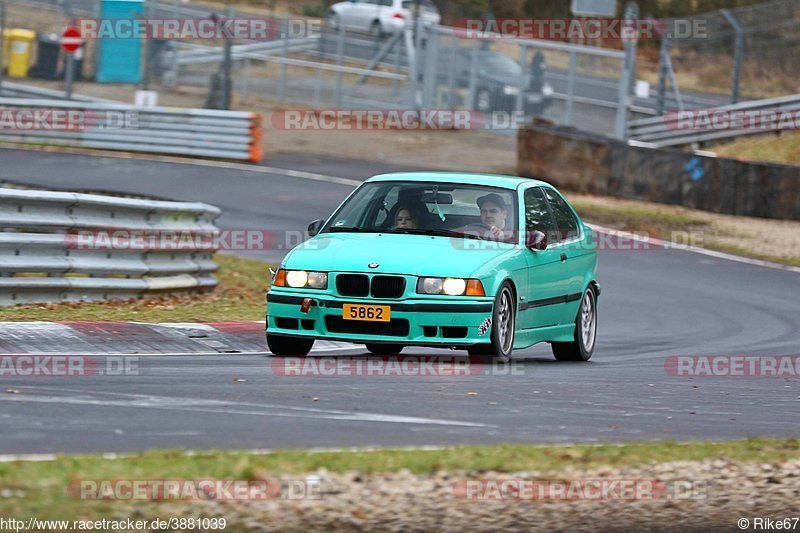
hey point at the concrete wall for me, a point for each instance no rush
(589, 163)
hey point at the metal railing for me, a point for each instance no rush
(160, 130)
(667, 130)
(63, 246)
(21, 90)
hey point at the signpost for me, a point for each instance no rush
(71, 42)
(2, 40)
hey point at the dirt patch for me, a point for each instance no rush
(686, 495)
(772, 240)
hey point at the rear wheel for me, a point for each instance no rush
(483, 101)
(376, 30)
(503, 324)
(385, 349)
(334, 22)
(282, 346)
(581, 348)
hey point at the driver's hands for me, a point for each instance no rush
(496, 232)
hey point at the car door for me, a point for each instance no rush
(365, 14)
(569, 243)
(546, 287)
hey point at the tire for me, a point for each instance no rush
(581, 348)
(375, 30)
(504, 319)
(334, 21)
(483, 100)
(283, 346)
(385, 349)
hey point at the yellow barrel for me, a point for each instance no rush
(20, 45)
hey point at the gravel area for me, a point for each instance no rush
(699, 496)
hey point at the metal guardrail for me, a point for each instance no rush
(161, 130)
(19, 90)
(665, 130)
(62, 246)
(191, 54)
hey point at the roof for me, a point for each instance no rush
(492, 180)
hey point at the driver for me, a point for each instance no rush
(493, 214)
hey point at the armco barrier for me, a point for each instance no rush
(590, 163)
(115, 126)
(44, 259)
(666, 130)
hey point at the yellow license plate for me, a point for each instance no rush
(369, 313)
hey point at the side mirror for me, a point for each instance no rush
(314, 227)
(536, 240)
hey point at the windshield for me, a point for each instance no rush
(427, 5)
(444, 209)
(497, 63)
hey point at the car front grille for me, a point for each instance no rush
(388, 286)
(352, 284)
(378, 287)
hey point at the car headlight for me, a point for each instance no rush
(450, 286)
(510, 89)
(300, 279)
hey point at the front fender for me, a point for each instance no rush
(510, 266)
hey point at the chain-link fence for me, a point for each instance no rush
(743, 53)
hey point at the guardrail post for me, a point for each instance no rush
(431, 60)
(573, 60)
(396, 82)
(738, 49)
(284, 56)
(337, 97)
(2, 39)
(523, 56)
(226, 90)
(473, 75)
(663, 66)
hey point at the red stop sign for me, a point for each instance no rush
(71, 39)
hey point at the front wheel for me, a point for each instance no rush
(283, 346)
(504, 319)
(581, 348)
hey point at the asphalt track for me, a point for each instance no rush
(655, 303)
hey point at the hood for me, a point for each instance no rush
(394, 253)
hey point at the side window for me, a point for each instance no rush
(537, 214)
(565, 220)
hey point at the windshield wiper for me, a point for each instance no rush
(435, 233)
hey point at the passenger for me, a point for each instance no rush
(406, 218)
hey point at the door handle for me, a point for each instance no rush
(563, 257)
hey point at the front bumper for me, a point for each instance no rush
(428, 321)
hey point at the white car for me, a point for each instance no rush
(380, 17)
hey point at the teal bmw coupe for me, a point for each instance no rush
(479, 262)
